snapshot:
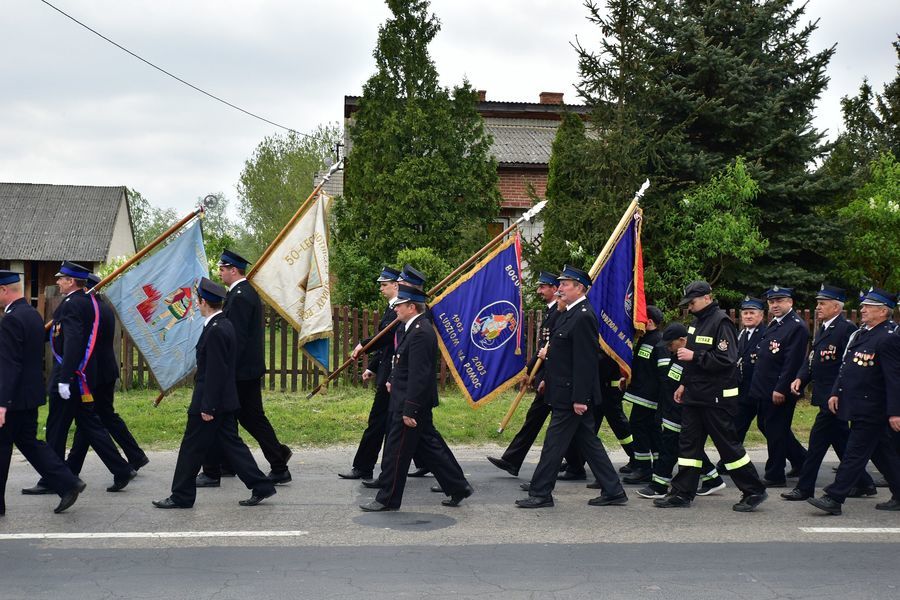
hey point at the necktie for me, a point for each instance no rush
(742, 341)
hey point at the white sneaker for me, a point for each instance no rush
(650, 492)
(710, 486)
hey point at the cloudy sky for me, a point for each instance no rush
(76, 110)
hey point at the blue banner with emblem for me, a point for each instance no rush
(157, 304)
(617, 293)
(479, 325)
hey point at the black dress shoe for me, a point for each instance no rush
(375, 506)
(37, 490)
(638, 476)
(611, 500)
(826, 503)
(204, 481)
(563, 466)
(255, 498)
(535, 502)
(880, 482)
(774, 484)
(594, 485)
(749, 502)
(69, 498)
(795, 495)
(455, 499)
(281, 477)
(420, 472)
(355, 473)
(525, 486)
(141, 462)
(672, 501)
(570, 476)
(437, 489)
(794, 472)
(893, 504)
(625, 469)
(505, 465)
(858, 492)
(372, 484)
(168, 503)
(119, 483)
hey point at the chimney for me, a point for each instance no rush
(482, 95)
(551, 97)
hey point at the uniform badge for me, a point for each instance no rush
(774, 346)
(239, 291)
(753, 356)
(723, 345)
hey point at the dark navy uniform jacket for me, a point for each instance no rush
(824, 360)
(73, 322)
(780, 354)
(214, 384)
(548, 323)
(21, 357)
(747, 356)
(414, 376)
(106, 365)
(244, 309)
(382, 352)
(868, 385)
(571, 374)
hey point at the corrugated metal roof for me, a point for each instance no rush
(522, 140)
(57, 222)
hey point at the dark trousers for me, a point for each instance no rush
(252, 417)
(867, 441)
(827, 430)
(698, 422)
(781, 442)
(646, 435)
(21, 429)
(376, 431)
(611, 409)
(747, 410)
(103, 406)
(59, 421)
(199, 437)
(664, 466)
(423, 439)
(534, 420)
(574, 457)
(565, 429)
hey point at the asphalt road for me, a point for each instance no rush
(311, 541)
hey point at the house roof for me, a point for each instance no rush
(527, 141)
(57, 222)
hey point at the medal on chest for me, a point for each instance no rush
(774, 346)
(864, 359)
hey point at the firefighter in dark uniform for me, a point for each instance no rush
(821, 368)
(379, 368)
(103, 387)
(572, 385)
(73, 338)
(643, 394)
(515, 454)
(753, 327)
(213, 409)
(668, 416)
(244, 310)
(413, 396)
(867, 394)
(708, 395)
(22, 392)
(780, 354)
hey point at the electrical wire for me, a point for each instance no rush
(175, 77)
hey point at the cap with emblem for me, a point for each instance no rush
(673, 331)
(408, 293)
(233, 259)
(656, 314)
(8, 277)
(694, 289)
(92, 280)
(778, 292)
(388, 275)
(570, 273)
(74, 270)
(412, 276)
(547, 278)
(211, 291)
(830, 292)
(750, 303)
(879, 297)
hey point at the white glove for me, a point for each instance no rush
(64, 392)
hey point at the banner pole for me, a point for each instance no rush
(521, 394)
(623, 222)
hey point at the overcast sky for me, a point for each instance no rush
(76, 110)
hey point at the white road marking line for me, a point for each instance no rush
(149, 535)
(850, 529)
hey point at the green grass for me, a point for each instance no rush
(339, 417)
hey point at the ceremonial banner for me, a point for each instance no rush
(293, 279)
(479, 325)
(156, 301)
(617, 293)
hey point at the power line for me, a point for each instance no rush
(173, 76)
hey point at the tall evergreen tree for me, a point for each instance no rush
(419, 172)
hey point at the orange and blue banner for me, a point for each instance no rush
(617, 294)
(479, 325)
